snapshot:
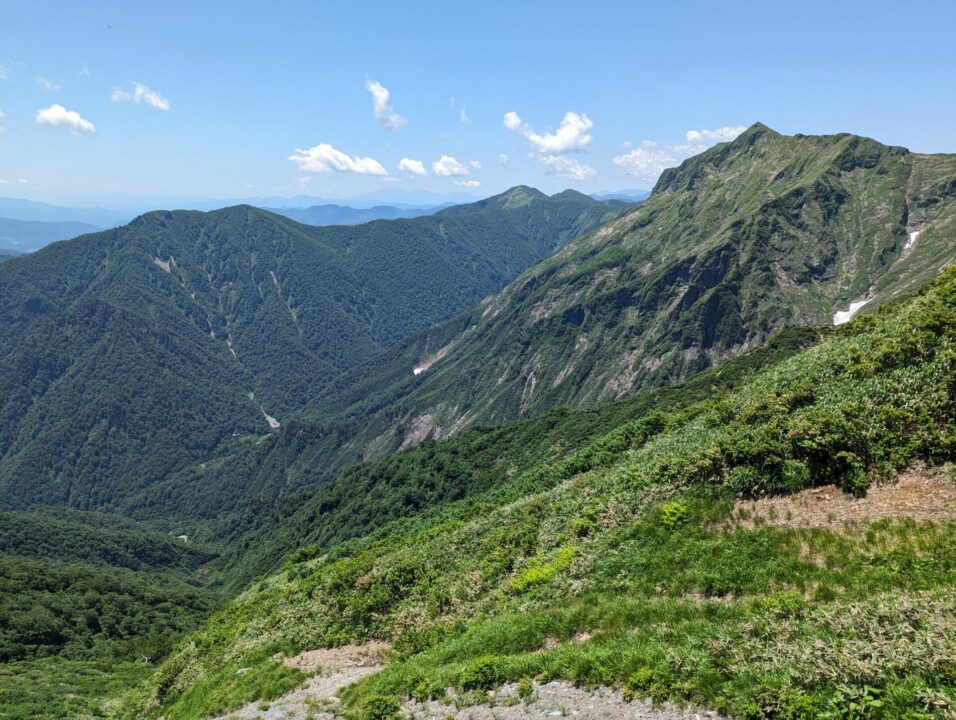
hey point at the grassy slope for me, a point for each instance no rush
(630, 539)
(368, 495)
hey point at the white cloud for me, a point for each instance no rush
(721, 134)
(475, 164)
(468, 183)
(47, 84)
(2, 116)
(571, 136)
(502, 159)
(452, 103)
(140, 94)
(463, 116)
(415, 167)
(58, 116)
(4, 73)
(22, 181)
(325, 158)
(386, 116)
(513, 121)
(648, 161)
(567, 167)
(3, 181)
(84, 71)
(447, 166)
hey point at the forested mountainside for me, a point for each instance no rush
(745, 239)
(134, 352)
(645, 559)
(89, 601)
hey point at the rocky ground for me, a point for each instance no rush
(555, 699)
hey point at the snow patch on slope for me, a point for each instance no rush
(844, 316)
(911, 243)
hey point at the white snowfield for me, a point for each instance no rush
(844, 316)
(910, 244)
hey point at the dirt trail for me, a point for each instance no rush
(557, 699)
(337, 668)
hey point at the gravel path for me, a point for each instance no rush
(557, 699)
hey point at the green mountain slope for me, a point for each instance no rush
(624, 562)
(133, 352)
(752, 236)
(748, 238)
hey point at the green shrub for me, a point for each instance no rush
(674, 514)
(525, 689)
(540, 570)
(484, 673)
(380, 707)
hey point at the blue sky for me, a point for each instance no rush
(238, 99)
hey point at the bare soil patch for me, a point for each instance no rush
(333, 660)
(918, 493)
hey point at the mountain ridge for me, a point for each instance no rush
(133, 325)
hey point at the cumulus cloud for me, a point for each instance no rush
(721, 134)
(550, 148)
(567, 167)
(325, 158)
(647, 161)
(140, 94)
(513, 121)
(415, 167)
(571, 136)
(468, 183)
(447, 166)
(58, 116)
(475, 164)
(463, 116)
(47, 84)
(2, 116)
(502, 159)
(384, 113)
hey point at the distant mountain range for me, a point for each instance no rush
(344, 215)
(627, 195)
(34, 211)
(28, 235)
